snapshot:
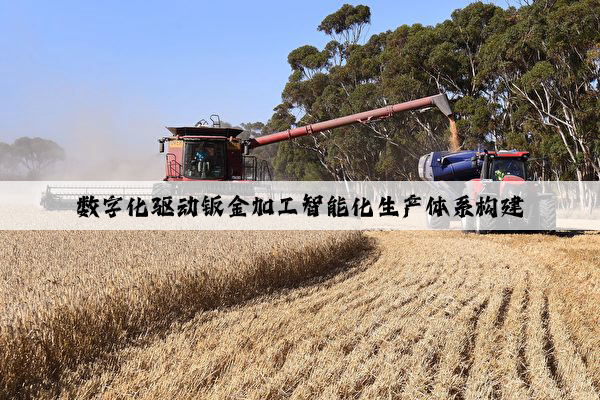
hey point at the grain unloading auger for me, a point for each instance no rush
(215, 153)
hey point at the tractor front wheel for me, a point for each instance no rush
(434, 221)
(485, 224)
(547, 215)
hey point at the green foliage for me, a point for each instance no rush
(307, 60)
(347, 22)
(477, 120)
(540, 74)
(510, 73)
(293, 163)
(314, 172)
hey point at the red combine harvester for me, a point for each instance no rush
(214, 161)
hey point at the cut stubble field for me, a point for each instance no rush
(373, 315)
(68, 297)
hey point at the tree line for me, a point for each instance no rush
(524, 77)
(28, 158)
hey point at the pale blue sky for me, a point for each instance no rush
(72, 70)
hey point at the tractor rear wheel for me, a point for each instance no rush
(548, 215)
(434, 221)
(467, 223)
(485, 224)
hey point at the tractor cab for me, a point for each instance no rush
(481, 175)
(502, 165)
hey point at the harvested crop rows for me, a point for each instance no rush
(423, 315)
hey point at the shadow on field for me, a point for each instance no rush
(345, 269)
(560, 234)
(384, 229)
(571, 232)
(348, 266)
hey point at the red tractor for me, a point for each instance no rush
(498, 174)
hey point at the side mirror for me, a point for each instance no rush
(474, 162)
(161, 147)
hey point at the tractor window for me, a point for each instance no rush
(204, 159)
(507, 166)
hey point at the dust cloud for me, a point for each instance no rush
(100, 149)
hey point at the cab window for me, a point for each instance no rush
(204, 159)
(501, 167)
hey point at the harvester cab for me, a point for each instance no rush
(208, 153)
(496, 184)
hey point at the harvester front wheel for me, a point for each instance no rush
(434, 221)
(467, 223)
(547, 216)
(485, 224)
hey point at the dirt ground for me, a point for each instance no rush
(423, 315)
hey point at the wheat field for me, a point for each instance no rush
(406, 315)
(68, 297)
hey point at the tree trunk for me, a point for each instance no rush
(582, 191)
(346, 183)
(590, 189)
(544, 175)
(560, 194)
